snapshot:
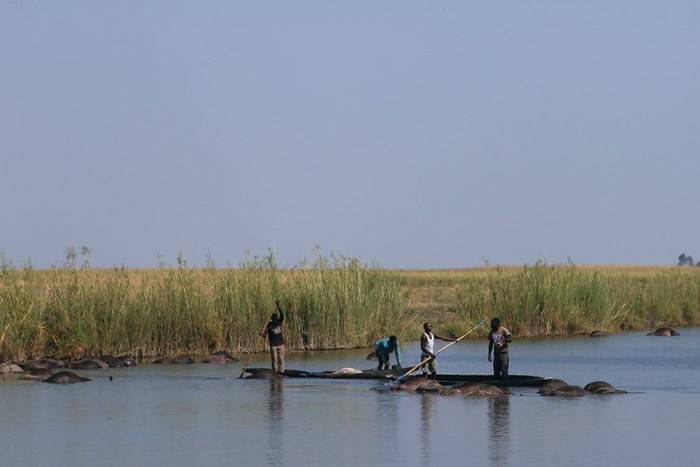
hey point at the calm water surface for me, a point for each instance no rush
(203, 415)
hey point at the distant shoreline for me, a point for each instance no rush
(332, 304)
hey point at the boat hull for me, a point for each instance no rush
(445, 379)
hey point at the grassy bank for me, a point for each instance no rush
(331, 303)
(334, 303)
(567, 300)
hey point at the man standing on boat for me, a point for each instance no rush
(273, 330)
(426, 347)
(499, 338)
(383, 348)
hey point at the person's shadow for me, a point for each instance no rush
(275, 423)
(499, 430)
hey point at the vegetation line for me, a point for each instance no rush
(331, 302)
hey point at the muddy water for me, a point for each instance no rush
(203, 415)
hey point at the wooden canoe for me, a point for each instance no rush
(446, 379)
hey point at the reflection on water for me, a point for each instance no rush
(275, 423)
(499, 430)
(387, 423)
(427, 407)
(204, 415)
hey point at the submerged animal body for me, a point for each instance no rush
(568, 390)
(665, 332)
(598, 334)
(122, 361)
(126, 361)
(90, 363)
(183, 360)
(220, 357)
(44, 363)
(37, 374)
(65, 377)
(602, 387)
(548, 388)
(420, 384)
(595, 385)
(6, 368)
(475, 390)
(610, 390)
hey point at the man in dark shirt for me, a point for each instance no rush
(499, 338)
(273, 330)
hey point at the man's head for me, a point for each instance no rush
(495, 324)
(274, 317)
(393, 340)
(427, 327)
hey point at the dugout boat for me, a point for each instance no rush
(388, 375)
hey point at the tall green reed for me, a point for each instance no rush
(565, 300)
(329, 303)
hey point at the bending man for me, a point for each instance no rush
(383, 348)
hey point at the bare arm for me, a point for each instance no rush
(446, 339)
(507, 335)
(279, 308)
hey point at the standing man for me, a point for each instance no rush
(499, 338)
(383, 348)
(426, 347)
(273, 330)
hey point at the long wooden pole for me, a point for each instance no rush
(398, 380)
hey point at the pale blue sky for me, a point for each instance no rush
(414, 134)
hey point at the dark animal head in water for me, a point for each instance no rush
(65, 377)
(664, 332)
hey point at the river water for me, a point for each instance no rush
(202, 415)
